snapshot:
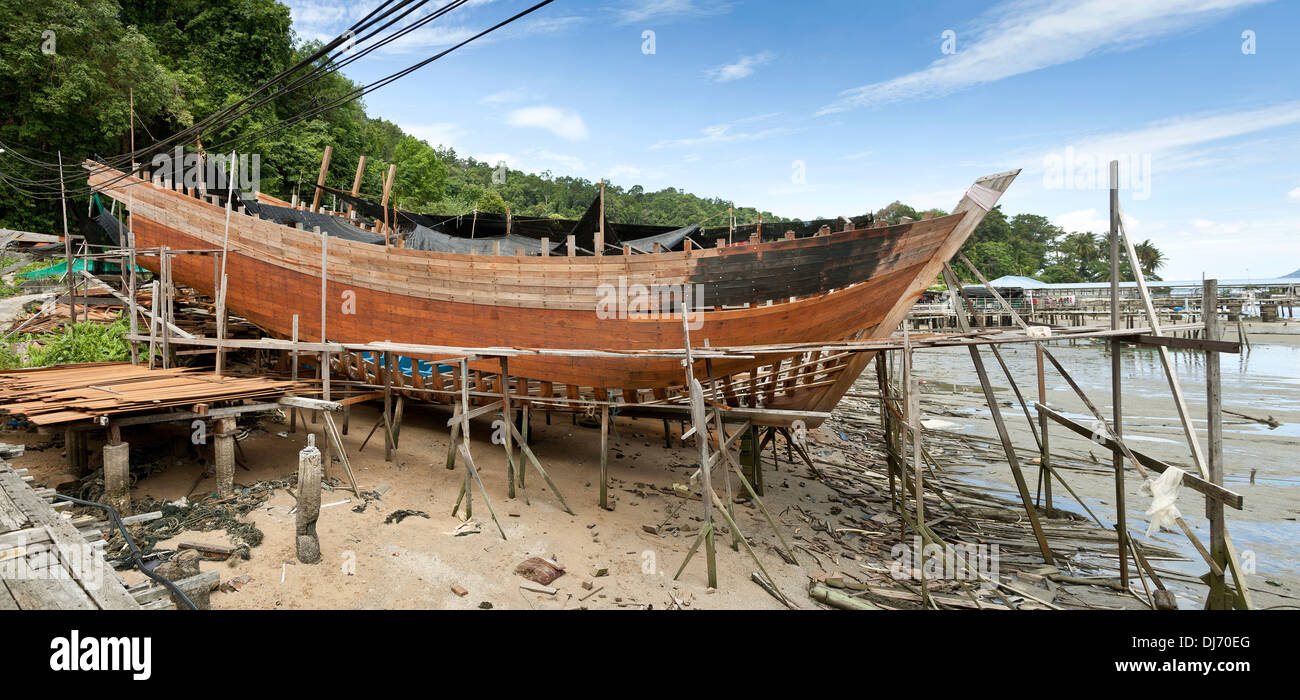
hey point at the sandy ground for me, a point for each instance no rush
(414, 563)
(368, 564)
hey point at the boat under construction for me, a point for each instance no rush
(634, 298)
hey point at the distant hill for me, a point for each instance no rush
(1293, 274)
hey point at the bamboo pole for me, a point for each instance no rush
(67, 246)
(130, 240)
(1214, 428)
(1116, 382)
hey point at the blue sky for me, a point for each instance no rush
(837, 107)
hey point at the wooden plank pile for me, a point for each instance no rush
(66, 393)
(44, 563)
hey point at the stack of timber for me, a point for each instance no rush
(67, 393)
(50, 560)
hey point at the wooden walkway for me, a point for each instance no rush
(49, 561)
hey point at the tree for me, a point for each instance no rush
(66, 71)
(1150, 259)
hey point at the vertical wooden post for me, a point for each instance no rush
(509, 416)
(912, 407)
(572, 245)
(882, 383)
(67, 246)
(1117, 456)
(117, 477)
(388, 188)
(130, 237)
(1045, 453)
(604, 455)
(356, 183)
(153, 320)
(293, 369)
(165, 266)
(309, 478)
(388, 406)
(546, 247)
(600, 227)
(320, 179)
(1218, 600)
(221, 325)
(74, 447)
(224, 456)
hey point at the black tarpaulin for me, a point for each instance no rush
(424, 238)
(329, 224)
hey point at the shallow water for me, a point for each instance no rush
(1264, 382)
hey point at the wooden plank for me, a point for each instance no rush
(1190, 480)
(1187, 343)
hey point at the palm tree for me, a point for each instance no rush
(1081, 251)
(1149, 258)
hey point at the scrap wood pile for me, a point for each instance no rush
(194, 313)
(57, 315)
(65, 393)
(855, 537)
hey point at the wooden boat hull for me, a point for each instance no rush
(821, 289)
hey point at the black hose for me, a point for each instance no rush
(135, 551)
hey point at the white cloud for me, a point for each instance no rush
(536, 160)
(742, 68)
(494, 158)
(939, 199)
(1094, 221)
(1179, 132)
(1207, 227)
(859, 155)
(1158, 148)
(625, 172)
(437, 134)
(1082, 220)
(426, 38)
(1027, 35)
(566, 124)
(1294, 194)
(633, 11)
(572, 164)
(508, 96)
(548, 25)
(725, 133)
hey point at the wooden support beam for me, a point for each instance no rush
(995, 410)
(1169, 341)
(1215, 493)
(320, 179)
(356, 181)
